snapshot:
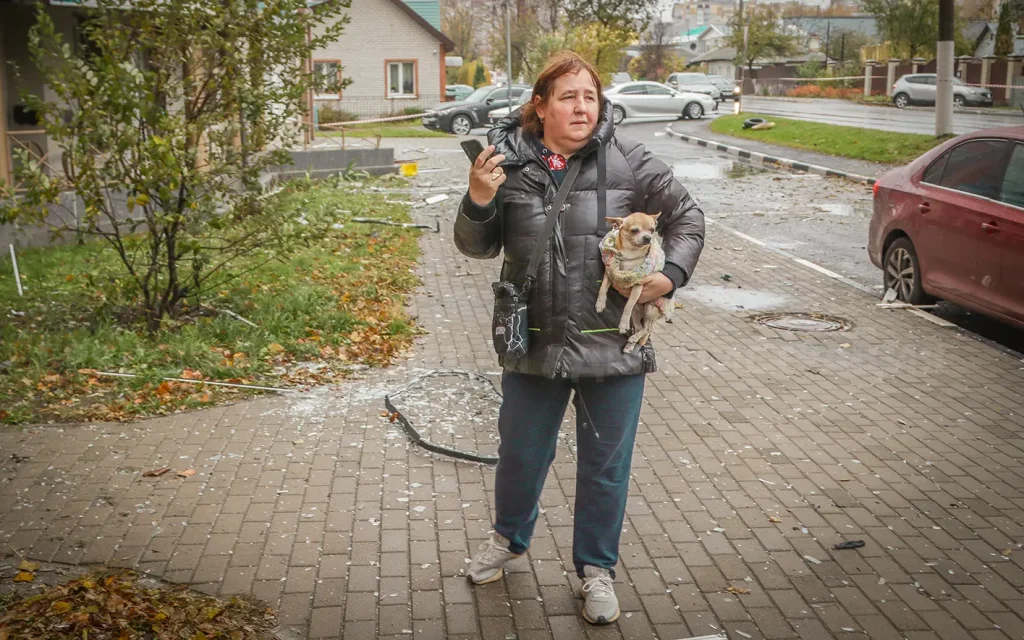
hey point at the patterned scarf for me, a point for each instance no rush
(653, 263)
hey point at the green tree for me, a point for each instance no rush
(619, 15)
(602, 46)
(479, 77)
(166, 122)
(910, 25)
(1004, 34)
(765, 37)
(543, 48)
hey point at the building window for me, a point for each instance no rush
(328, 77)
(401, 79)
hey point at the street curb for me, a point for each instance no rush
(754, 155)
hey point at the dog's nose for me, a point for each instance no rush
(645, 240)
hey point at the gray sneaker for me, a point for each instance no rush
(487, 564)
(600, 606)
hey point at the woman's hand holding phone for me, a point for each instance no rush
(485, 176)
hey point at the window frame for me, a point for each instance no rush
(328, 60)
(1014, 146)
(415, 75)
(944, 158)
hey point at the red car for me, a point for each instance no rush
(950, 225)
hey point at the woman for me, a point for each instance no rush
(572, 346)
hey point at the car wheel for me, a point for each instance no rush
(750, 123)
(958, 101)
(901, 100)
(902, 272)
(461, 125)
(618, 114)
(694, 111)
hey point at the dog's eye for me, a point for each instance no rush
(635, 229)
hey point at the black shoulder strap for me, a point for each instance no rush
(602, 178)
(549, 224)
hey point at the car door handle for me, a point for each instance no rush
(924, 207)
(990, 226)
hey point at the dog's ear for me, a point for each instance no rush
(615, 222)
(655, 216)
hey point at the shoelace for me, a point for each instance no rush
(599, 587)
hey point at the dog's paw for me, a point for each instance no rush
(629, 347)
(601, 304)
(624, 327)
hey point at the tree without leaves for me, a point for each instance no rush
(170, 113)
(657, 58)
(765, 38)
(910, 25)
(458, 22)
(1004, 33)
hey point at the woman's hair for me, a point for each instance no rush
(559, 64)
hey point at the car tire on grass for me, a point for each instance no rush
(901, 100)
(461, 125)
(693, 111)
(901, 270)
(618, 114)
(750, 123)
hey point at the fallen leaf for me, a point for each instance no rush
(738, 590)
(187, 473)
(60, 607)
(24, 576)
(156, 473)
(298, 441)
(275, 348)
(28, 565)
(393, 416)
(190, 374)
(775, 519)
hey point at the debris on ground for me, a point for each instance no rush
(115, 606)
(738, 591)
(849, 544)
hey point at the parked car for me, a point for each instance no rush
(462, 116)
(457, 91)
(727, 86)
(498, 114)
(648, 99)
(920, 88)
(620, 77)
(694, 83)
(950, 225)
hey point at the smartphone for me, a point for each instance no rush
(473, 149)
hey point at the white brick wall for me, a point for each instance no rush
(379, 31)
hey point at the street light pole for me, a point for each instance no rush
(741, 22)
(508, 49)
(944, 63)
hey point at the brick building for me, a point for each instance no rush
(394, 56)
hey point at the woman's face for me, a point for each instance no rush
(570, 112)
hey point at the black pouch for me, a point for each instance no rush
(509, 328)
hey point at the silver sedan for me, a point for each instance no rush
(653, 99)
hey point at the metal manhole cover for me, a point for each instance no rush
(802, 322)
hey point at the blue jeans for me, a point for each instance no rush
(607, 413)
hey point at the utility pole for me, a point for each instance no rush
(944, 61)
(742, 23)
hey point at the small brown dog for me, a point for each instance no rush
(631, 251)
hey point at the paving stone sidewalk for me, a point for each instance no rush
(758, 450)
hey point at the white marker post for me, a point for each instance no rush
(17, 276)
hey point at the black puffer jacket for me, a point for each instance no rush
(568, 338)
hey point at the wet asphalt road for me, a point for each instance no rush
(843, 112)
(824, 221)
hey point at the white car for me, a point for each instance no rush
(498, 114)
(653, 99)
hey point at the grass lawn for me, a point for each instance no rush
(335, 302)
(406, 129)
(847, 142)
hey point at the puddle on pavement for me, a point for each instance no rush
(731, 298)
(713, 169)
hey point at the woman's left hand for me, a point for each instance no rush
(655, 286)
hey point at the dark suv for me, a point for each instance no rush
(462, 117)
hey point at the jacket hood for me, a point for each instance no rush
(508, 138)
